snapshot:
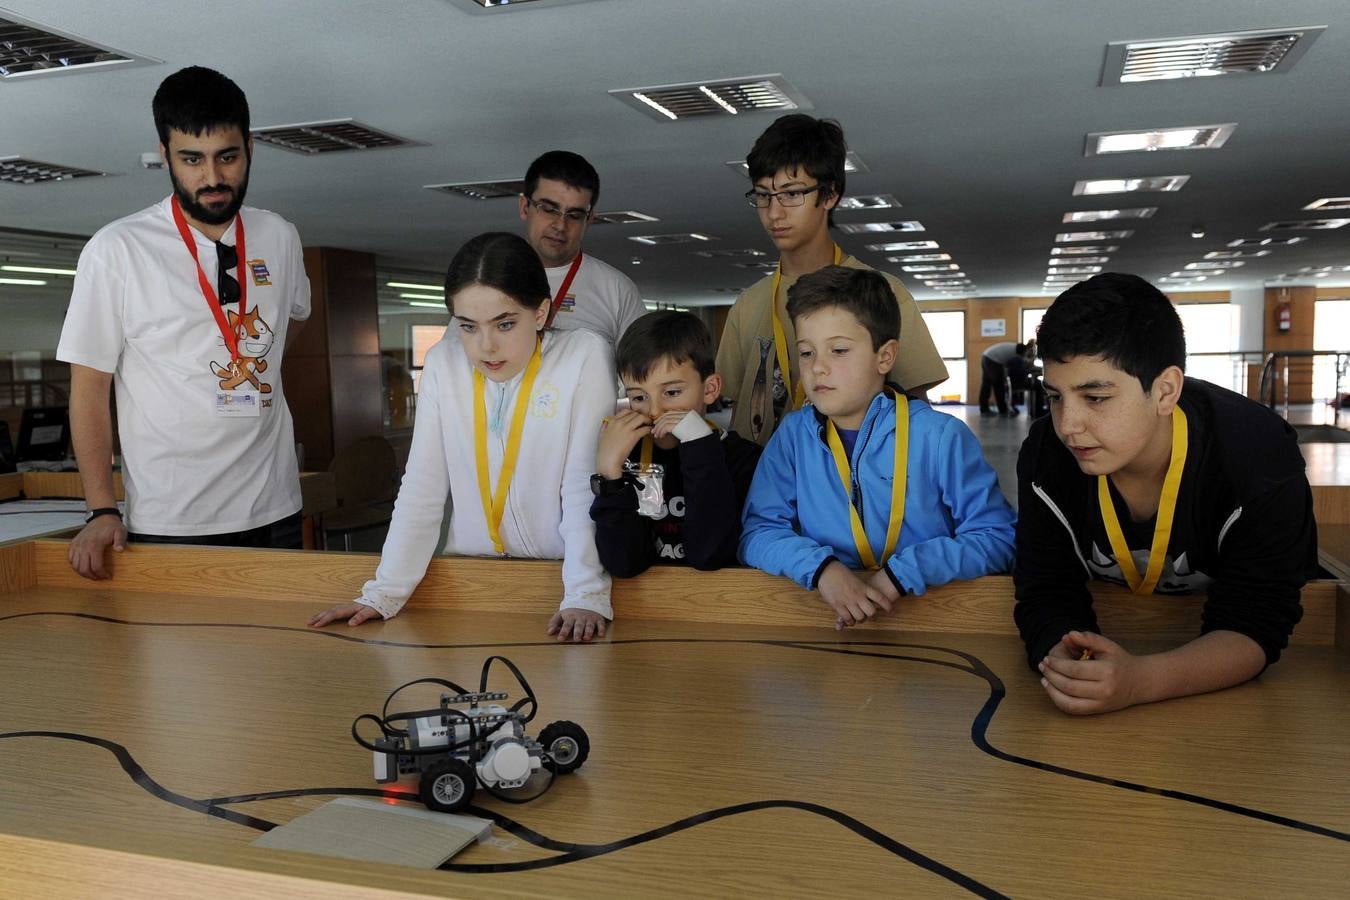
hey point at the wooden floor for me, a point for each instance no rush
(152, 726)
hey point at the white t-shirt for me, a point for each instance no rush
(138, 312)
(601, 299)
(548, 504)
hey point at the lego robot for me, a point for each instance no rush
(470, 740)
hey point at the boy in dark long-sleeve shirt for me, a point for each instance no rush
(666, 362)
(1162, 483)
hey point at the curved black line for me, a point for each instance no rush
(143, 779)
(976, 666)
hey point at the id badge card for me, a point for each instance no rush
(238, 404)
(651, 495)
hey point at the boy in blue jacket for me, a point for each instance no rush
(825, 501)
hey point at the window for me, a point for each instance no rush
(1331, 331)
(1211, 335)
(424, 337)
(948, 329)
(1031, 320)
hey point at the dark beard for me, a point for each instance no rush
(205, 214)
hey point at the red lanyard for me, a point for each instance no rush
(207, 290)
(562, 291)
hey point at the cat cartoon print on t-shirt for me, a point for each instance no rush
(254, 338)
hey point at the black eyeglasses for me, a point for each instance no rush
(792, 197)
(227, 287)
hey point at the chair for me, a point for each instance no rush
(365, 476)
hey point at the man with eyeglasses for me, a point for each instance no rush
(184, 307)
(797, 177)
(561, 190)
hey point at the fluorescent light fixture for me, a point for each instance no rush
(1070, 236)
(414, 286)
(864, 227)
(1304, 224)
(37, 270)
(936, 267)
(1196, 137)
(1266, 242)
(31, 282)
(1234, 254)
(1083, 251)
(920, 257)
(1196, 274)
(1078, 261)
(439, 300)
(852, 164)
(1330, 203)
(670, 238)
(724, 96)
(1105, 215)
(440, 306)
(938, 276)
(1074, 270)
(621, 217)
(869, 201)
(903, 245)
(957, 283)
(1216, 264)
(728, 254)
(1207, 55)
(1142, 184)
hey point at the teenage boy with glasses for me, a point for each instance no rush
(561, 190)
(797, 177)
(184, 308)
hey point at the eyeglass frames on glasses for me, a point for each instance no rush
(791, 197)
(554, 211)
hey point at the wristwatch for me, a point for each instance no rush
(102, 511)
(607, 487)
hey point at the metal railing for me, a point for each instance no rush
(1275, 375)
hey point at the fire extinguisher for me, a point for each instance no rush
(1283, 316)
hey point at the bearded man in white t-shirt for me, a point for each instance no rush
(561, 190)
(185, 308)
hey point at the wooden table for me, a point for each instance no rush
(153, 725)
(318, 495)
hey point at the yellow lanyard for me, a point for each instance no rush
(1167, 507)
(897, 485)
(494, 503)
(780, 348)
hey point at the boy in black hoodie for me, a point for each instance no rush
(1163, 483)
(669, 486)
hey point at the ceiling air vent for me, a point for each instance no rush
(725, 97)
(622, 217)
(670, 238)
(869, 227)
(1315, 224)
(1200, 56)
(17, 170)
(482, 190)
(327, 137)
(27, 48)
(870, 201)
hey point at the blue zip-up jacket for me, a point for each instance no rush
(957, 523)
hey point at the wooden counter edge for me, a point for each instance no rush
(729, 596)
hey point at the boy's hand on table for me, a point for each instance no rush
(1108, 679)
(618, 437)
(86, 553)
(577, 625)
(853, 599)
(354, 613)
(882, 582)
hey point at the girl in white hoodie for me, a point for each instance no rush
(508, 416)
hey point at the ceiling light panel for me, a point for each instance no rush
(1216, 264)
(1147, 184)
(1235, 254)
(28, 49)
(17, 170)
(1072, 236)
(1207, 55)
(622, 217)
(1074, 270)
(1083, 251)
(482, 190)
(1304, 224)
(723, 97)
(1330, 203)
(1078, 261)
(920, 257)
(333, 136)
(1266, 242)
(1197, 137)
(1106, 215)
(657, 239)
(852, 163)
(935, 267)
(866, 227)
(729, 254)
(901, 246)
(870, 201)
